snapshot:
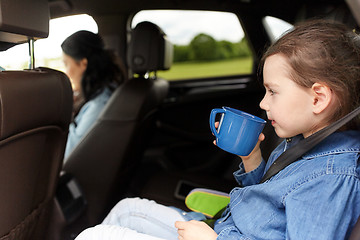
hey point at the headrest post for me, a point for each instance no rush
(31, 53)
(147, 75)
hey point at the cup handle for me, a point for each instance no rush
(213, 114)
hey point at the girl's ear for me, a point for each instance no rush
(322, 97)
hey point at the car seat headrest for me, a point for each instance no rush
(22, 99)
(21, 20)
(149, 49)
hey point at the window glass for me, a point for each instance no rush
(275, 27)
(206, 44)
(47, 51)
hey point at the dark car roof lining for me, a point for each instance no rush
(108, 7)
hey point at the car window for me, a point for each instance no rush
(47, 51)
(206, 44)
(275, 27)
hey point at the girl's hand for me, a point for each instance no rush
(195, 230)
(253, 160)
(216, 126)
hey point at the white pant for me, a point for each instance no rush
(135, 218)
(111, 232)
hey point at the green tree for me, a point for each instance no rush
(227, 49)
(242, 48)
(203, 48)
(181, 53)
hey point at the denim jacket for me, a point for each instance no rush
(316, 197)
(86, 119)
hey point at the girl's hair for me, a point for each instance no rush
(102, 69)
(326, 52)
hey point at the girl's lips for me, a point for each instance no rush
(273, 122)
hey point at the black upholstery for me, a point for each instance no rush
(104, 160)
(35, 113)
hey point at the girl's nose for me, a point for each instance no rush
(263, 104)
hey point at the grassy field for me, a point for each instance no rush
(188, 70)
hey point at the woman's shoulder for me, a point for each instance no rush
(102, 96)
(96, 104)
(100, 99)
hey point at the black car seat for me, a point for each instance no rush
(104, 160)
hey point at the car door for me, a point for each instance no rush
(181, 152)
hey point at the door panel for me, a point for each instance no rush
(182, 144)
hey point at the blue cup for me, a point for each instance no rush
(238, 131)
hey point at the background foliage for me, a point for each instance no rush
(204, 47)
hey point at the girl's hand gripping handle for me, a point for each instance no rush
(213, 114)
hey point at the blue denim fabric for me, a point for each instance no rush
(188, 216)
(317, 197)
(85, 119)
(144, 217)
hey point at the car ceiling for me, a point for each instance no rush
(284, 8)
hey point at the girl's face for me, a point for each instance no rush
(287, 104)
(75, 70)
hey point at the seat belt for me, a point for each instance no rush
(294, 153)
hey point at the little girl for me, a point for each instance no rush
(311, 76)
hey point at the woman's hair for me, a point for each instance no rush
(326, 52)
(102, 69)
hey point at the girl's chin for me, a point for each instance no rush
(281, 134)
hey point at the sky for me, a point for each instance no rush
(181, 28)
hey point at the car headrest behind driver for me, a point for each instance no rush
(149, 49)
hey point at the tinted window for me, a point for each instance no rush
(206, 44)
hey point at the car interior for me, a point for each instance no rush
(152, 139)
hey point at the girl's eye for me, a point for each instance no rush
(271, 91)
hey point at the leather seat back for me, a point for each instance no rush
(35, 111)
